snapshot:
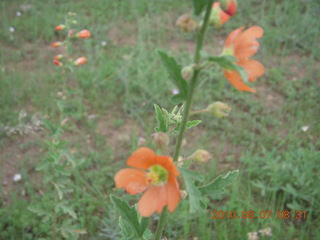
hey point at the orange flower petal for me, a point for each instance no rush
(168, 164)
(132, 179)
(173, 193)
(142, 158)
(151, 201)
(233, 36)
(245, 44)
(253, 68)
(235, 79)
(251, 33)
(246, 49)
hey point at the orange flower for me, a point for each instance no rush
(80, 61)
(218, 16)
(156, 175)
(243, 45)
(60, 27)
(83, 34)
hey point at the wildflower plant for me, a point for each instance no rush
(161, 177)
(56, 209)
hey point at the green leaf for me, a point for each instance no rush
(126, 232)
(229, 63)
(128, 213)
(144, 222)
(198, 6)
(147, 235)
(191, 174)
(193, 192)
(193, 123)
(217, 185)
(177, 99)
(174, 71)
(161, 126)
(66, 209)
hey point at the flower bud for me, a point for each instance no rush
(187, 72)
(219, 109)
(56, 44)
(186, 23)
(80, 61)
(58, 63)
(160, 140)
(218, 16)
(201, 156)
(83, 34)
(71, 32)
(229, 6)
(74, 22)
(60, 27)
(58, 57)
(183, 194)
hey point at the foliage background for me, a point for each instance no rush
(113, 109)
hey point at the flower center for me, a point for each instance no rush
(227, 51)
(157, 175)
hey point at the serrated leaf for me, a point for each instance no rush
(198, 6)
(161, 126)
(191, 174)
(229, 63)
(126, 232)
(217, 185)
(193, 193)
(37, 211)
(128, 213)
(174, 71)
(69, 158)
(193, 123)
(147, 234)
(66, 209)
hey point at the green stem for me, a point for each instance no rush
(192, 85)
(161, 224)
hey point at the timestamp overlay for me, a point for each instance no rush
(249, 214)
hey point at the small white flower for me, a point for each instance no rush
(175, 91)
(16, 177)
(18, 13)
(305, 128)
(266, 232)
(253, 236)
(104, 43)
(11, 29)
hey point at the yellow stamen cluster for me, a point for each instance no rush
(157, 175)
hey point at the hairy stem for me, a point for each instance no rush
(191, 88)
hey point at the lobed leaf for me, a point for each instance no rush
(217, 185)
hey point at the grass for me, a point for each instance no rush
(278, 162)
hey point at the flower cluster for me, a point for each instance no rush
(58, 60)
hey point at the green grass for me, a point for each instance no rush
(278, 162)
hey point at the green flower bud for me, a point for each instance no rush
(219, 109)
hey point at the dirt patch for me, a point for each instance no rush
(124, 34)
(18, 156)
